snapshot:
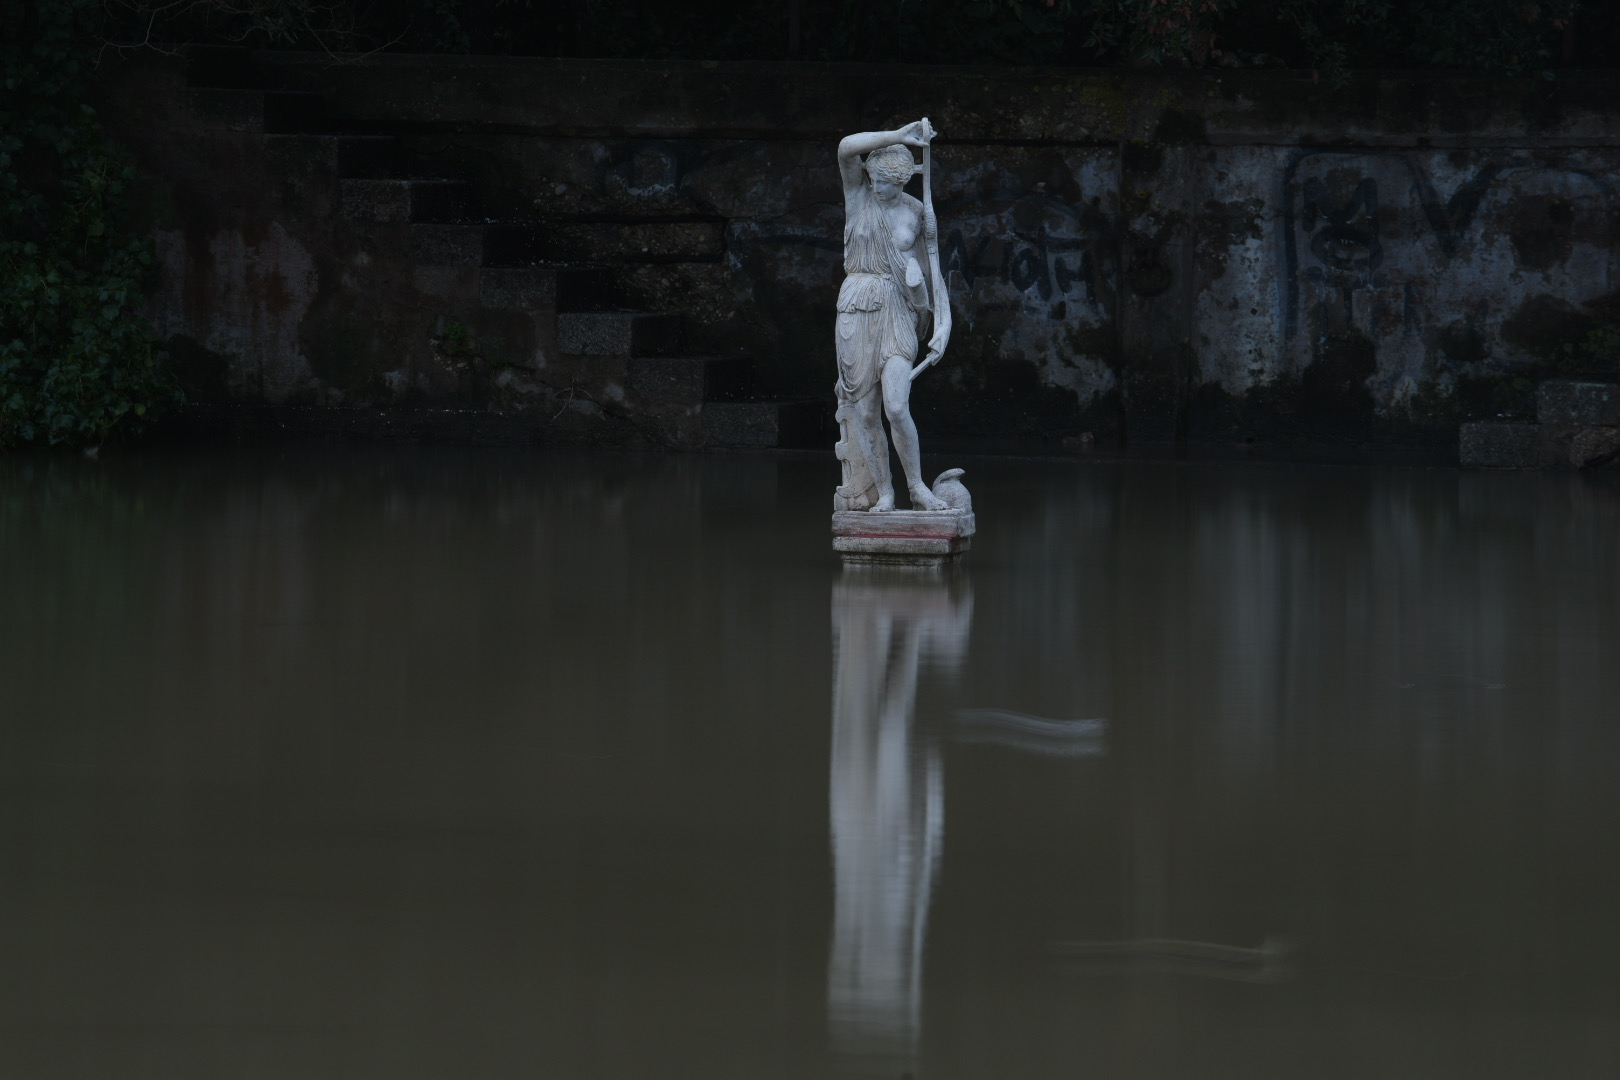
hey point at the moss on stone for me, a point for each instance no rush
(1545, 325)
(1175, 127)
(343, 353)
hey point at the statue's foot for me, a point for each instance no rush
(884, 504)
(923, 499)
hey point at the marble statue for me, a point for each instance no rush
(885, 290)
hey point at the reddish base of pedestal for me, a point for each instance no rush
(920, 539)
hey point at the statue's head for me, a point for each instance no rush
(890, 169)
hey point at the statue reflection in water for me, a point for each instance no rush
(887, 804)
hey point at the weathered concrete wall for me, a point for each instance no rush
(1235, 257)
(1393, 283)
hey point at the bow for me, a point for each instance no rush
(942, 300)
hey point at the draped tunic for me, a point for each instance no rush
(876, 317)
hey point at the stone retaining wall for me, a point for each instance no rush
(1233, 257)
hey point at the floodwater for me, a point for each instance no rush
(416, 763)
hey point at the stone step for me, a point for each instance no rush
(583, 285)
(573, 288)
(636, 241)
(294, 111)
(766, 424)
(368, 157)
(617, 333)
(256, 110)
(229, 67)
(440, 244)
(1505, 445)
(516, 244)
(517, 288)
(687, 381)
(1574, 403)
(1492, 444)
(588, 289)
(572, 241)
(478, 243)
(419, 200)
(232, 108)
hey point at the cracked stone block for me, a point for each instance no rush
(1498, 445)
(1568, 403)
(1593, 446)
(617, 333)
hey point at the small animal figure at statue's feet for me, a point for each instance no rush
(923, 499)
(952, 492)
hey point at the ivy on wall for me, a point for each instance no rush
(77, 359)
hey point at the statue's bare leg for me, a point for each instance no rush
(897, 403)
(876, 448)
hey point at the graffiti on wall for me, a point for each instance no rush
(1034, 276)
(1069, 258)
(1339, 204)
(1427, 260)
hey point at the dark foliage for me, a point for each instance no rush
(76, 357)
(1330, 36)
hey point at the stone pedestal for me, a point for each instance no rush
(929, 540)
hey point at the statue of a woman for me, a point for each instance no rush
(885, 289)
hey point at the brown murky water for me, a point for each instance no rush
(419, 763)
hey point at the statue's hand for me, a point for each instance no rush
(917, 134)
(936, 349)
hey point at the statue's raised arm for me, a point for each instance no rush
(853, 147)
